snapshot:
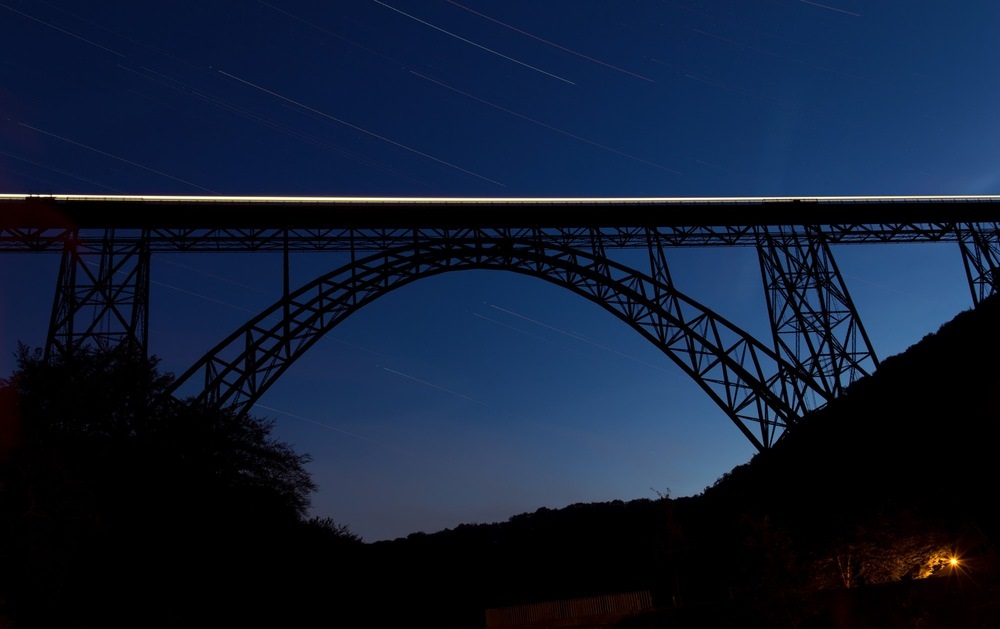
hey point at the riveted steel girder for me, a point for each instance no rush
(980, 244)
(42, 223)
(745, 378)
(102, 296)
(814, 322)
(232, 240)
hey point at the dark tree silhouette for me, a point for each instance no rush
(116, 497)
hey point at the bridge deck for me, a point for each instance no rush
(163, 212)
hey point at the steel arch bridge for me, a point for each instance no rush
(818, 345)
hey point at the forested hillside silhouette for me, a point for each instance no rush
(875, 493)
(123, 508)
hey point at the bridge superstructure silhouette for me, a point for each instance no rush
(818, 344)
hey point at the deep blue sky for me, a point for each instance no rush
(475, 396)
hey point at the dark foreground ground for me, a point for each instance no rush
(116, 512)
(959, 602)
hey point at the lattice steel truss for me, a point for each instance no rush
(759, 391)
(818, 344)
(102, 296)
(981, 255)
(813, 320)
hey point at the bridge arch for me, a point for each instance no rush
(760, 392)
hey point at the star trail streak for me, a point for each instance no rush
(823, 6)
(120, 159)
(62, 30)
(547, 126)
(327, 31)
(584, 339)
(472, 43)
(553, 44)
(433, 386)
(317, 423)
(61, 172)
(357, 128)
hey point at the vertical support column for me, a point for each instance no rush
(980, 244)
(761, 422)
(102, 297)
(663, 283)
(285, 290)
(813, 320)
(758, 421)
(64, 304)
(139, 323)
(600, 259)
(657, 258)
